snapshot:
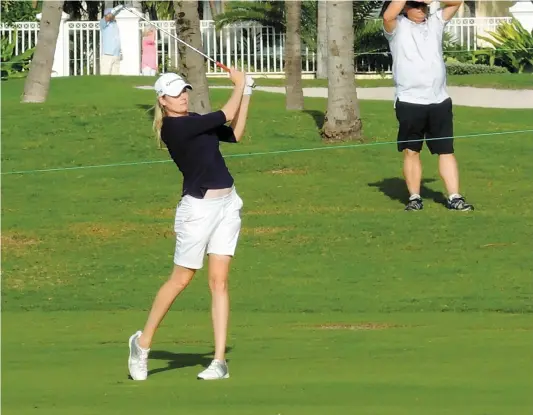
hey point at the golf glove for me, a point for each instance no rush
(250, 84)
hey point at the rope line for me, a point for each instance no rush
(265, 153)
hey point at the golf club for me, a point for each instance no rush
(220, 65)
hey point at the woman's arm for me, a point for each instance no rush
(239, 123)
(231, 108)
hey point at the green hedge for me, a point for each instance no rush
(459, 68)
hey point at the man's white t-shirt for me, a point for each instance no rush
(418, 65)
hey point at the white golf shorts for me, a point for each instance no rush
(209, 226)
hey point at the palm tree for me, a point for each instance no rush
(469, 9)
(293, 57)
(322, 42)
(191, 64)
(270, 13)
(364, 10)
(77, 9)
(267, 13)
(313, 29)
(342, 121)
(38, 81)
(164, 10)
(136, 5)
(213, 9)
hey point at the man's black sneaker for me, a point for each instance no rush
(415, 204)
(459, 203)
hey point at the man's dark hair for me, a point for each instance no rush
(415, 4)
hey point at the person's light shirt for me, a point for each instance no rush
(110, 38)
(418, 66)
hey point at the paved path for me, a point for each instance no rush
(466, 96)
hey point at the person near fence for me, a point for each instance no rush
(149, 52)
(207, 216)
(111, 48)
(422, 104)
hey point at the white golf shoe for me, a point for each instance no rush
(218, 369)
(138, 359)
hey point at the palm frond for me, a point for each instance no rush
(163, 8)
(264, 12)
(363, 10)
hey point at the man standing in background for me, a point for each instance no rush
(423, 106)
(110, 38)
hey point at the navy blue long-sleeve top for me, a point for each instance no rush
(193, 144)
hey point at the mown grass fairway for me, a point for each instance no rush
(341, 301)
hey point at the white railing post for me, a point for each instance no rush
(130, 42)
(64, 32)
(523, 12)
(61, 52)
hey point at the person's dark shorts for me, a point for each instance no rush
(419, 122)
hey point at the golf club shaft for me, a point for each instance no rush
(220, 65)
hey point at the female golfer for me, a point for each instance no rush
(208, 214)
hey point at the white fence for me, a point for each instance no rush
(84, 48)
(27, 35)
(254, 48)
(465, 30)
(251, 47)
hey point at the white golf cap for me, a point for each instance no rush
(170, 84)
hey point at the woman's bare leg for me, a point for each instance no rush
(177, 282)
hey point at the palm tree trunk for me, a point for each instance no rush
(137, 5)
(293, 57)
(322, 41)
(213, 9)
(493, 8)
(342, 121)
(38, 81)
(469, 9)
(192, 64)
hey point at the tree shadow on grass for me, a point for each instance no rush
(318, 117)
(395, 189)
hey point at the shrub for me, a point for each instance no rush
(17, 11)
(478, 57)
(14, 66)
(459, 68)
(514, 45)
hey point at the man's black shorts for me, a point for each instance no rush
(419, 121)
